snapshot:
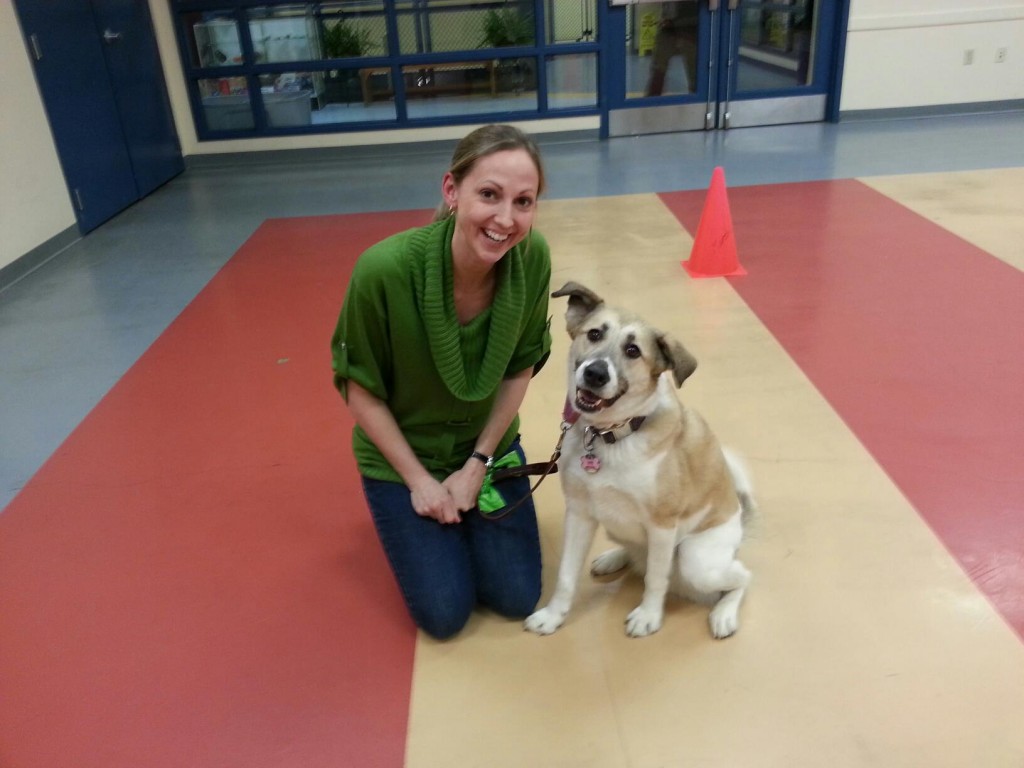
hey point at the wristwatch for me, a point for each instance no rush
(487, 460)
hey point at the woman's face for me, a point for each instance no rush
(494, 206)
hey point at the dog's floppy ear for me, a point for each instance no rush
(677, 359)
(582, 301)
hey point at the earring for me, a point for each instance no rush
(451, 210)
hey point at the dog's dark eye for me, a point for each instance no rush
(595, 334)
(632, 350)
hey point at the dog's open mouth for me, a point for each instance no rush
(588, 402)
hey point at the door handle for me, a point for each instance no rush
(111, 37)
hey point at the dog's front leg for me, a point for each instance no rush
(579, 535)
(646, 618)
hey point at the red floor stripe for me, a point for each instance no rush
(192, 579)
(914, 336)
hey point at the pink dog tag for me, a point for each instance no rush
(590, 463)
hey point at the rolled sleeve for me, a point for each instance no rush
(360, 347)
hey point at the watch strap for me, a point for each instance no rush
(487, 460)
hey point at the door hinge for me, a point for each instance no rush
(78, 199)
(36, 50)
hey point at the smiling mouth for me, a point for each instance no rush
(495, 237)
(588, 402)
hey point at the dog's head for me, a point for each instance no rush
(616, 359)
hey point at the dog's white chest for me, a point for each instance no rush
(620, 493)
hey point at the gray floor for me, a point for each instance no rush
(70, 329)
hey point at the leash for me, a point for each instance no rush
(543, 468)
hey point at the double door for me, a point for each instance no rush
(714, 64)
(98, 70)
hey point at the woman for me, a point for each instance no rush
(441, 330)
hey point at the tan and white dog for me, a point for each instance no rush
(648, 469)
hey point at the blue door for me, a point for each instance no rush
(137, 78)
(112, 149)
(714, 64)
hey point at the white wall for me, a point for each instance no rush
(34, 203)
(910, 53)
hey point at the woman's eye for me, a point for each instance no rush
(594, 334)
(525, 202)
(487, 194)
(632, 350)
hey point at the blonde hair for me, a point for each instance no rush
(483, 142)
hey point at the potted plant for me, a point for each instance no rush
(504, 27)
(341, 40)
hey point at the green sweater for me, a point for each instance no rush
(398, 337)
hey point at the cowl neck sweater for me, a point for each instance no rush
(433, 286)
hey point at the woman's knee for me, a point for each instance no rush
(516, 595)
(516, 609)
(442, 619)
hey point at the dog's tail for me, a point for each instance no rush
(741, 479)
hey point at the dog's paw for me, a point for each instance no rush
(642, 622)
(545, 621)
(724, 620)
(612, 561)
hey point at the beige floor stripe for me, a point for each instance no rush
(862, 643)
(986, 208)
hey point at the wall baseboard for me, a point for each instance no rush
(34, 259)
(443, 147)
(933, 110)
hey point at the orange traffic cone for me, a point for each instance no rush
(714, 247)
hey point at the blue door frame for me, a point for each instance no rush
(717, 71)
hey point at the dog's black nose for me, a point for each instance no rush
(595, 375)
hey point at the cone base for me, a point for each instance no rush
(694, 272)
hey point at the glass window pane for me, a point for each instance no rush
(471, 88)
(661, 55)
(509, 24)
(288, 98)
(284, 33)
(775, 45)
(356, 28)
(214, 39)
(434, 26)
(572, 81)
(571, 21)
(357, 95)
(226, 104)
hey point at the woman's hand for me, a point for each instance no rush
(432, 499)
(464, 484)
(429, 498)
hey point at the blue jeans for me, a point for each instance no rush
(444, 571)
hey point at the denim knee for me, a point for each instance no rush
(515, 604)
(442, 620)
(430, 561)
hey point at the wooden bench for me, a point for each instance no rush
(430, 79)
